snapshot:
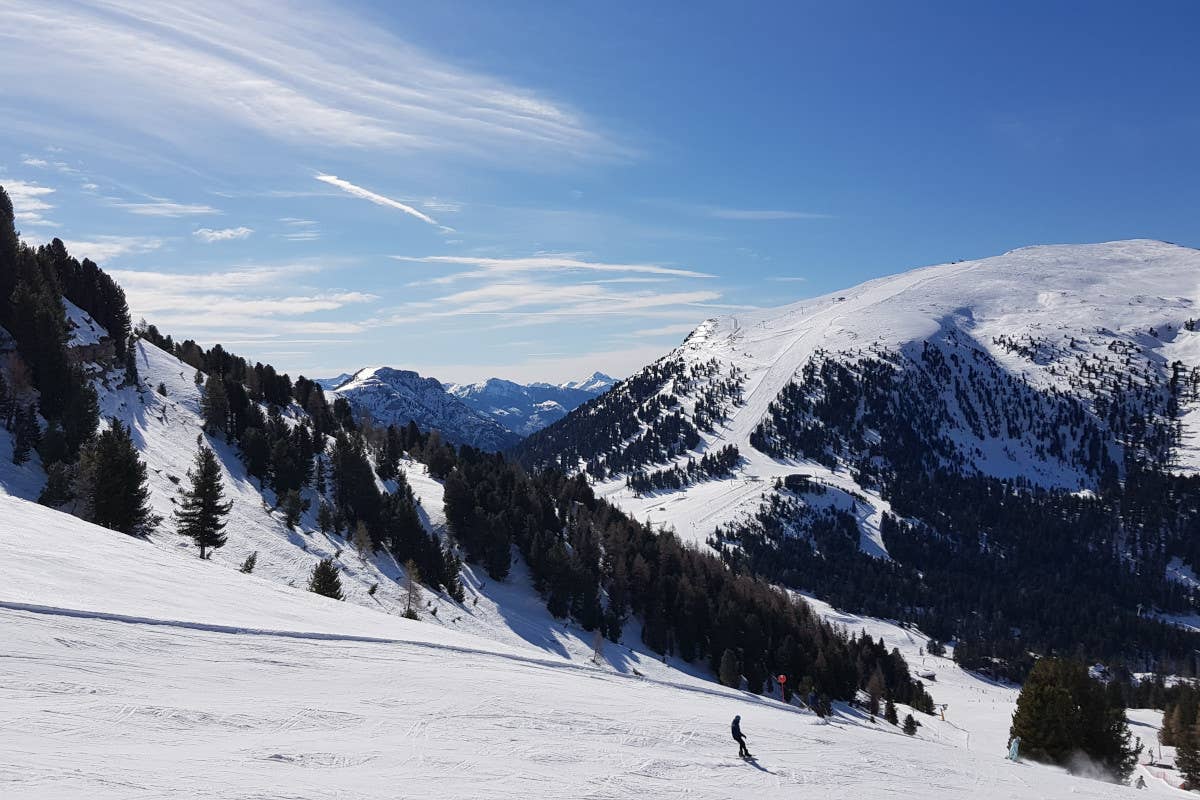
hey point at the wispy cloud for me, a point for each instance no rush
(665, 330)
(736, 213)
(758, 214)
(210, 235)
(547, 263)
(262, 299)
(380, 200)
(787, 278)
(41, 163)
(29, 201)
(316, 75)
(103, 249)
(160, 207)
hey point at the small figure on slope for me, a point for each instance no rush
(740, 738)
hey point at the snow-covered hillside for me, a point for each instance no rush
(166, 428)
(1041, 328)
(134, 671)
(398, 396)
(524, 409)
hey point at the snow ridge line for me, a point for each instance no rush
(106, 616)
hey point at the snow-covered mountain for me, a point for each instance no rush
(396, 396)
(329, 384)
(896, 408)
(596, 383)
(524, 409)
(1084, 324)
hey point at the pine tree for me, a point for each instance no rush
(1187, 755)
(324, 580)
(25, 435)
(1062, 709)
(113, 484)
(729, 673)
(889, 712)
(412, 589)
(59, 485)
(215, 405)
(294, 507)
(910, 725)
(362, 539)
(325, 518)
(250, 563)
(875, 689)
(131, 368)
(201, 514)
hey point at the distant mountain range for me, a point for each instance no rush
(525, 408)
(493, 414)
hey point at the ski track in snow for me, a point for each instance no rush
(145, 674)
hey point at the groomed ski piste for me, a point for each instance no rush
(134, 671)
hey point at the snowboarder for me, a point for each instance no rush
(1014, 749)
(740, 738)
(1141, 782)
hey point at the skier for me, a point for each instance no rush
(740, 738)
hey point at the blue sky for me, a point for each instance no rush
(539, 190)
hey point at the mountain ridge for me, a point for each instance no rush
(815, 439)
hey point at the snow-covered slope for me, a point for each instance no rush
(135, 672)
(1005, 343)
(166, 427)
(524, 409)
(397, 396)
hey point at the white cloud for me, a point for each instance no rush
(316, 75)
(666, 330)
(252, 299)
(222, 234)
(788, 278)
(548, 367)
(29, 201)
(548, 263)
(442, 206)
(103, 249)
(379, 200)
(166, 208)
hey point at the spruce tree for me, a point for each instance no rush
(324, 580)
(250, 563)
(113, 484)
(58, 489)
(1062, 709)
(910, 725)
(889, 712)
(201, 513)
(729, 673)
(294, 507)
(215, 405)
(25, 435)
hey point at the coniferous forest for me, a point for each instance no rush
(590, 562)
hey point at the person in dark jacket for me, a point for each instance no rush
(740, 738)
